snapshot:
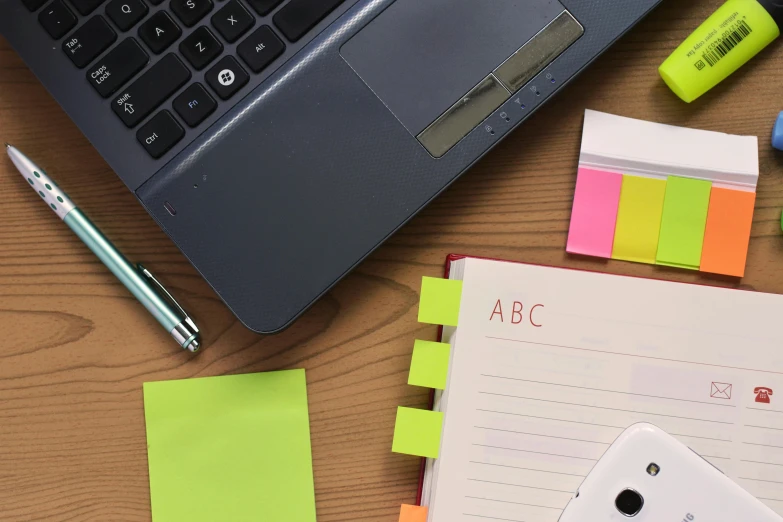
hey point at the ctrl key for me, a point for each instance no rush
(159, 134)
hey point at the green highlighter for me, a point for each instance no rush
(734, 34)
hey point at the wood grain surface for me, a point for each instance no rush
(75, 348)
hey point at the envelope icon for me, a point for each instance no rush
(721, 390)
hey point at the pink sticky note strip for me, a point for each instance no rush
(594, 213)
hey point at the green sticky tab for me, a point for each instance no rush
(417, 432)
(683, 222)
(439, 303)
(639, 219)
(429, 365)
(230, 448)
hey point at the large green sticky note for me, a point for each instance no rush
(233, 448)
(683, 222)
(439, 302)
(639, 219)
(429, 364)
(417, 432)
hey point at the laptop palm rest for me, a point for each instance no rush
(443, 66)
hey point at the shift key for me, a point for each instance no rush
(152, 88)
(117, 67)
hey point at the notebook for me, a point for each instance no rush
(549, 365)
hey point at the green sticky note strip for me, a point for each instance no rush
(230, 448)
(439, 303)
(429, 364)
(639, 219)
(417, 432)
(683, 222)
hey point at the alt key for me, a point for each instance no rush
(159, 134)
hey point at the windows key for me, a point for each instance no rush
(227, 77)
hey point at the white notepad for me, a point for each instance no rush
(535, 397)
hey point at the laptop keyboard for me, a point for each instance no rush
(110, 73)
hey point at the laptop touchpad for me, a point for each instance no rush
(421, 57)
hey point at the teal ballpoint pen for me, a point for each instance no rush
(141, 283)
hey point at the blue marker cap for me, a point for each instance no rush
(777, 133)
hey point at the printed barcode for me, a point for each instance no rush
(729, 42)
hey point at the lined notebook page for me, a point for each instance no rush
(537, 395)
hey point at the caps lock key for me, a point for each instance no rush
(117, 67)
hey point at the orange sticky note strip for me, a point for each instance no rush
(727, 234)
(413, 513)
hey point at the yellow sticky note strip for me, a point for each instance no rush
(413, 513)
(429, 364)
(639, 219)
(439, 303)
(417, 432)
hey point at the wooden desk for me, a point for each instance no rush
(76, 348)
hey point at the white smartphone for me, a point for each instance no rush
(647, 475)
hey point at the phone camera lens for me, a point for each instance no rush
(629, 503)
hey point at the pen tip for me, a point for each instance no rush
(194, 346)
(7, 145)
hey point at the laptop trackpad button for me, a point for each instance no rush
(420, 57)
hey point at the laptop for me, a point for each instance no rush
(279, 142)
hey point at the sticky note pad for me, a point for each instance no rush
(230, 448)
(594, 213)
(727, 234)
(429, 364)
(439, 302)
(413, 513)
(639, 219)
(682, 224)
(417, 432)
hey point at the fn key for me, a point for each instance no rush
(159, 134)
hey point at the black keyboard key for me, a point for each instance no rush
(126, 13)
(194, 104)
(86, 7)
(155, 2)
(159, 32)
(299, 16)
(159, 134)
(200, 48)
(117, 67)
(260, 48)
(191, 11)
(33, 5)
(88, 41)
(152, 88)
(232, 21)
(226, 77)
(57, 19)
(264, 7)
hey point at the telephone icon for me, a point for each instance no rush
(762, 394)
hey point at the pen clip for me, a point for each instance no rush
(162, 289)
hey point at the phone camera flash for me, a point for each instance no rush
(653, 469)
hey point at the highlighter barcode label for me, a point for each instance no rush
(730, 40)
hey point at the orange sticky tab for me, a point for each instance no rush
(727, 234)
(413, 513)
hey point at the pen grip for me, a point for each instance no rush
(122, 269)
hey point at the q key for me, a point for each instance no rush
(126, 13)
